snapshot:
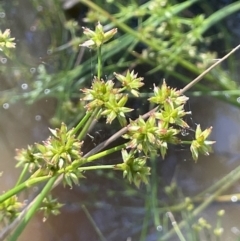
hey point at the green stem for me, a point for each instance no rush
(97, 167)
(98, 231)
(21, 187)
(141, 37)
(99, 54)
(233, 177)
(86, 126)
(176, 227)
(105, 153)
(22, 175)
(33, 209)
(82, 122)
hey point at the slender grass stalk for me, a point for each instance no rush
(229, 182)
(196, 80)
(176, 227)
(105, 153)
(155, 45)
(23, 174)
(82, 122)
(153, 193)
(147, 215)
(220, 183)
(33, 209)
(22, 186)
(219, 15)
(98, 231)
(99, 54)
(97, 167)
(87, 125)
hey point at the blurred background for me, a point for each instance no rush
(172, 40)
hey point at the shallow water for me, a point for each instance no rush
(116, 212)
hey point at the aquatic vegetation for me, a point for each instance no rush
(62, 159)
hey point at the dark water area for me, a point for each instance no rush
(105, 198)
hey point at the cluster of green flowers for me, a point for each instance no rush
(145, 136)
(54, 155)
(149, 134)
(9, 210)
(112, 100)
(5, 40)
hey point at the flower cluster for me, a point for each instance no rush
(60, 149)
(130, 82)
(5, 40)
(28, 156)
(163, 126)
(166, 93)
(112, 100)
(201, 144)
(134, 168)
(97, 37)
(50, 206)
(150, 136)
(57, 152)
(9, 209)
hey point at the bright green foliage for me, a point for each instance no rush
(142, 135)
(150, 136)
(71, 177)
(5, 40)
(112, 100)
(172, 115)
(27, 157)
(57, 152)
(130, 82)
(116, 109)
(61, 149)
(50, 206)
(97, 37)
(9, 209)
(134, 168)
(201, 144)
(164, 93)
(60, 157)
(100, 93)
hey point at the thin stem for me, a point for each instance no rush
(192, 83)
(105, 153)
(98, 231)
(145, 116)
(21, 187)
(85, 129)
(82, 122)
(33, 209)
(96, 167)
(229, 182)
(176, 227)
(99, 54)
(23, 174)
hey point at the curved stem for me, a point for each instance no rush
(33, 209)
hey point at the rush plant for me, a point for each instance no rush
(60, 158)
